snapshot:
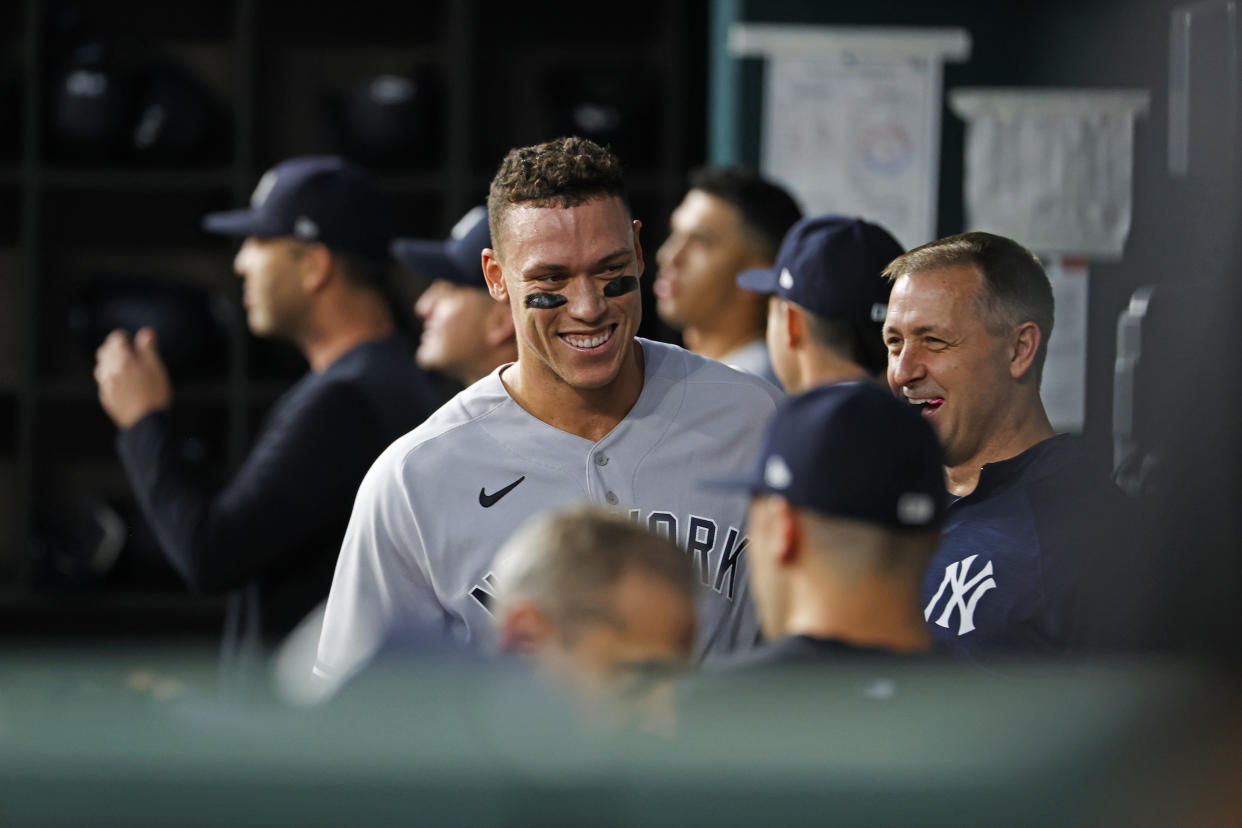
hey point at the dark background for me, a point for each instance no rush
(80, 218)
(89, 219)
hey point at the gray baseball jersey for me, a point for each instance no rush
(439, 502)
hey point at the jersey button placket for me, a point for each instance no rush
(600, 459)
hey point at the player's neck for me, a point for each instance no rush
(478, 369)
(1026, 427)
(329, 336)
(718, 343)
(873, 613)
(590, 413)
(736, 323)
(820, 368)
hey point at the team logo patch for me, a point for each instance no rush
(776, 473)
(305, 228)
(966, 592)
(916, 508)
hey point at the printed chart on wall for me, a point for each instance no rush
(855, 138)
(851, 120)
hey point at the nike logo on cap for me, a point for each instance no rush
(488, 500)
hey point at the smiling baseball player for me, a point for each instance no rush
(588, 412)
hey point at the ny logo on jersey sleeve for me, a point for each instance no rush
(966, 592)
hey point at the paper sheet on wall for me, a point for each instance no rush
(851, 117)
(859, 137)
(1051, 168)
(1064, 388)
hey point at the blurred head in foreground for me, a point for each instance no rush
(601, 607)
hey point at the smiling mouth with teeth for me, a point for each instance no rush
(927, 405)
(587, 343)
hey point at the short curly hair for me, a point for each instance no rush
(564, 172)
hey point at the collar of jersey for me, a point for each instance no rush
(1039, 461)
(546, 445)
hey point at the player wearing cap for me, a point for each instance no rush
(731, 219)
(313, 268)
(465, 333)
(587, 413)
(1038, 553)
(827, 301)
(837, 559)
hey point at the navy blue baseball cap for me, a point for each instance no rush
(455, 259)
(852, 450)
(831, 265)
(318, 199)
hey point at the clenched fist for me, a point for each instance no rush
(132, 378)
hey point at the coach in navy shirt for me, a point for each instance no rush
(314, 265)
(1039, 553)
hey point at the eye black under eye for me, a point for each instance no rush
(621, 286)
(545, 301)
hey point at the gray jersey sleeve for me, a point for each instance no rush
(379, 583)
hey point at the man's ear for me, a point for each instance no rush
(524, 628)
(317, 267)
(788, 532)
(494, 275)
(795, 325)
(1024, 346)
(638, 247)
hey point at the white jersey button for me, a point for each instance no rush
(612, 498)
(601, 459)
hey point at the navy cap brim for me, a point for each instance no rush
(758, 280)
(431, 259)
(239, 223)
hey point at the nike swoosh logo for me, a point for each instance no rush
(486, 500)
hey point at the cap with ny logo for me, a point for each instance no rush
(831, 265)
